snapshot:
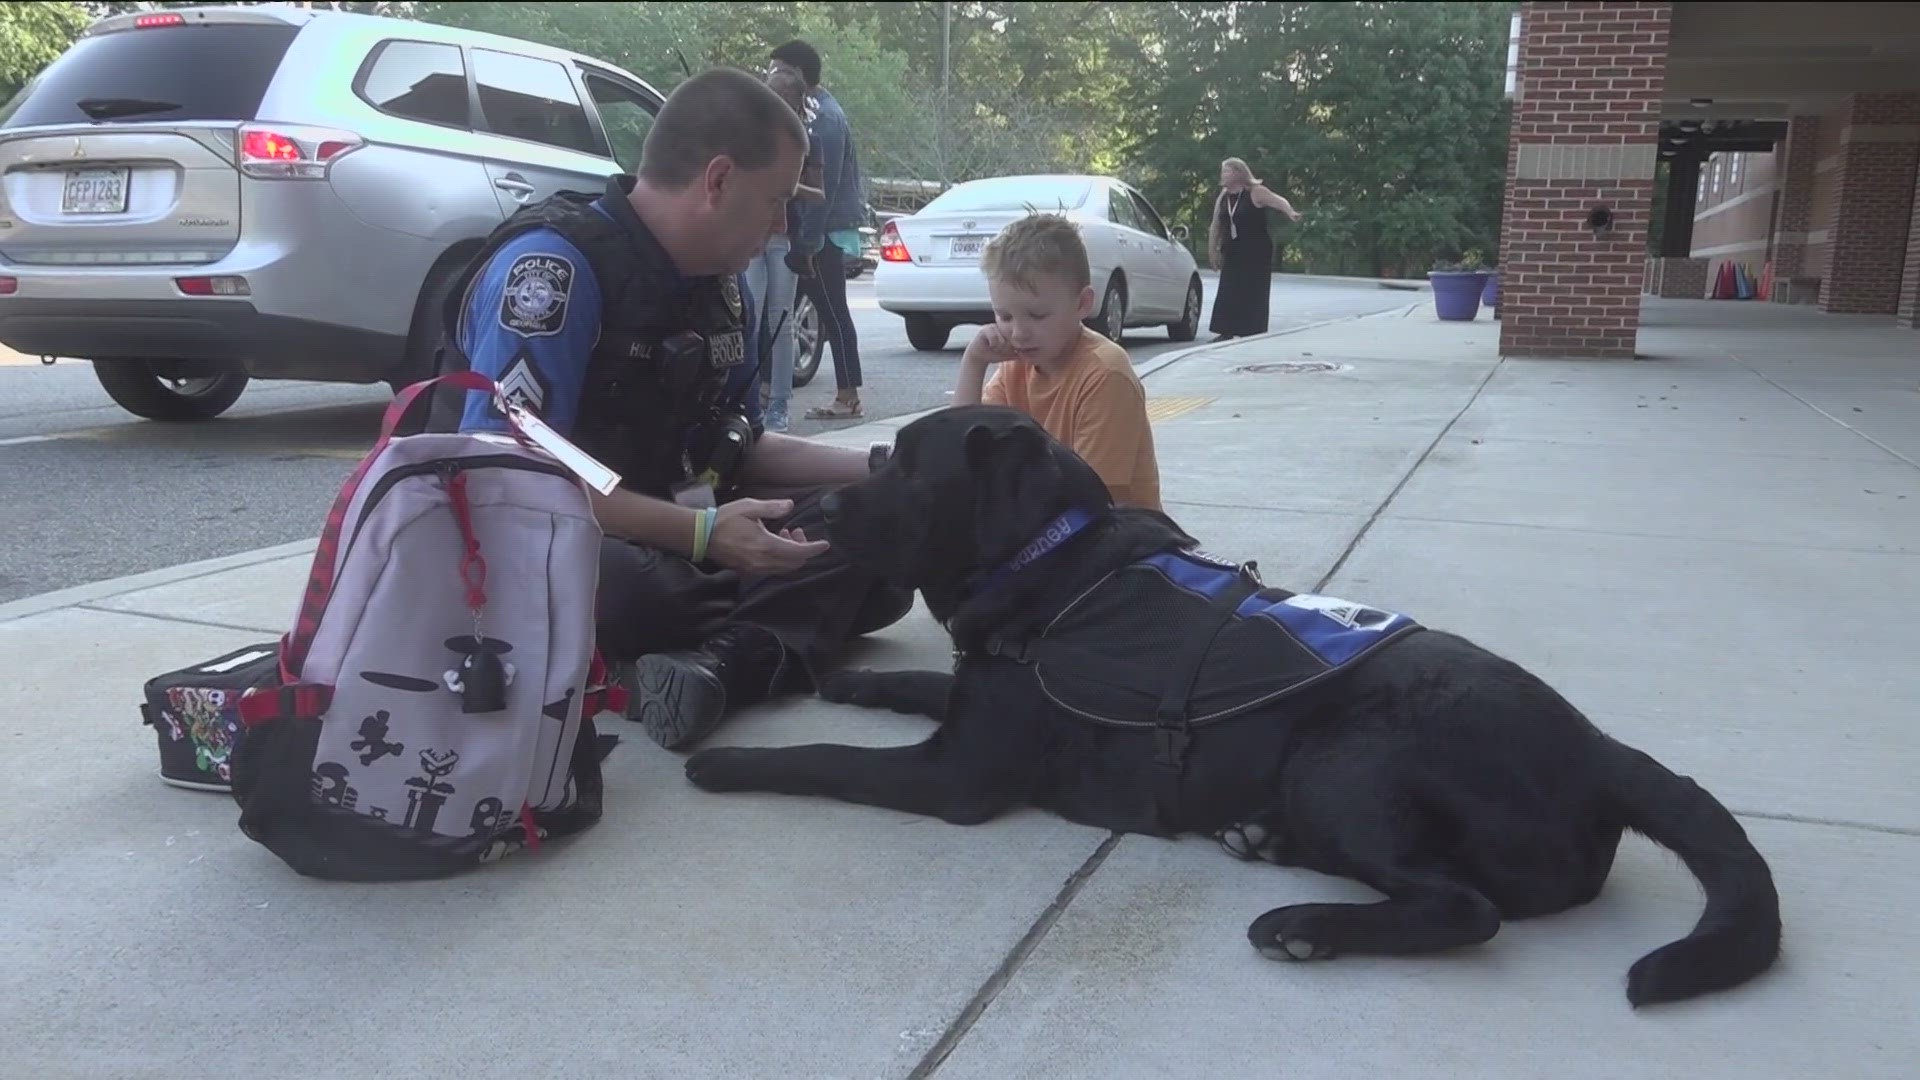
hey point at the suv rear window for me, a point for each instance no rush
(210, 72)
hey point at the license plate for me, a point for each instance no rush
(95, 191)
(967, 247)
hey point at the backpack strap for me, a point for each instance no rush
(320, 580)
(300, 701)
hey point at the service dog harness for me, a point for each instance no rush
(1180, 640)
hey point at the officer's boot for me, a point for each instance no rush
(680, 697)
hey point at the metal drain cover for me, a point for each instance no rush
(1287, 367)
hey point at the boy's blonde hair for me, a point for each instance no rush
(1035, 246)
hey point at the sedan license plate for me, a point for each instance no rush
(95, 191)
(966, 247)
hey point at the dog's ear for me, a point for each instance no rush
(1017, 487)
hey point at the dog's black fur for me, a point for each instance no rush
(1460, 786)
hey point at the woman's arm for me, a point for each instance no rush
(1263, 197)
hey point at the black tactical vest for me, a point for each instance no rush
(668, 346)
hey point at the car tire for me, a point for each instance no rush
(1111, 320)
(809, 344)
(926, 333)
(134, 386)
(1188, 327)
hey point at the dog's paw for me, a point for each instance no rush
(1253, 840)
(848, 688)
(1289, 933)
(720, 769)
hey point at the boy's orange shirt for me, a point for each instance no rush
(1097, 406)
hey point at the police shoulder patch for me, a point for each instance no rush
(534, 303)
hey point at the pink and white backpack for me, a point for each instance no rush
(436, 695)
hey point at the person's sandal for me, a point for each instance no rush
(839, 410)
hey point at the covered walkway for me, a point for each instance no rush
(1615, 100)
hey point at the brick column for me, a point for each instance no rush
(1880, 147)
(1801, 158)
(1585, 132)
(1908, 314)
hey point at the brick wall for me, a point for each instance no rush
(1734, 222)
(1800, 153)
(1824, 212)
(1876, 184)
(1584, 132)
(1908, 313)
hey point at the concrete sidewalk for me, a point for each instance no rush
(1715, 552)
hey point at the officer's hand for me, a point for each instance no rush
(801, 265)
(741, 540)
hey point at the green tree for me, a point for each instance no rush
(1384, 121)
(32, 35)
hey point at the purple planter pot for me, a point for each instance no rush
(1456, 293)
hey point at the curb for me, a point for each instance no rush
(101, 590)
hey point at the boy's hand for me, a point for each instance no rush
(988, 347)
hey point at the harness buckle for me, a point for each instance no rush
(1006, 648)
(1170, 745)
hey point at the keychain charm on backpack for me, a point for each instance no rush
(482, 677)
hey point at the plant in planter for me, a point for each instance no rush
(1457, 287)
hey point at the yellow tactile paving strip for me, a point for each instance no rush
(1162, 409)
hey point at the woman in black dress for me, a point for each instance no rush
(1242, 250)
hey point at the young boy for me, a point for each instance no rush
(1077, 384)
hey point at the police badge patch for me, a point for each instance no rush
(730, 289)
(535, 302)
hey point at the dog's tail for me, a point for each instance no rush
(1738, 935)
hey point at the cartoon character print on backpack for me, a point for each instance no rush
(428, 792)
(373, 739)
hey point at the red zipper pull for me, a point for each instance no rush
(528, 829)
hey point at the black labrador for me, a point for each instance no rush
(1458, 785)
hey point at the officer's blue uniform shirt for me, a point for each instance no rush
(531, 321)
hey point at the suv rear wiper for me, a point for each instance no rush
(117, 108)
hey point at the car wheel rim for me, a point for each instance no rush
(1193, 307)
(191, 388)
(1116, 318)
(806, 330)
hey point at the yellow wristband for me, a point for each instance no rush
(702, 532)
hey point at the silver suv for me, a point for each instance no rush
(193, 197)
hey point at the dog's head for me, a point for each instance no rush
(964, 490)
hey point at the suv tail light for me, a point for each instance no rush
(291, 152)
(163, 18)
(9, 286)
(231, 285)
(892, 249)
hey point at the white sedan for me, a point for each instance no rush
(929, 270)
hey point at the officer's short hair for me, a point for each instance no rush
(803, 56)
(720, 111)
(1036, 247)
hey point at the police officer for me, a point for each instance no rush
(618, 320)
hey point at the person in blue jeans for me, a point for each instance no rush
(829, 232)
(773, 277)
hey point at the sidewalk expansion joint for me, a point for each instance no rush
(171, 619)
(1012, 962)
(1833, 823)
(1380, 511)
(1764, 377)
